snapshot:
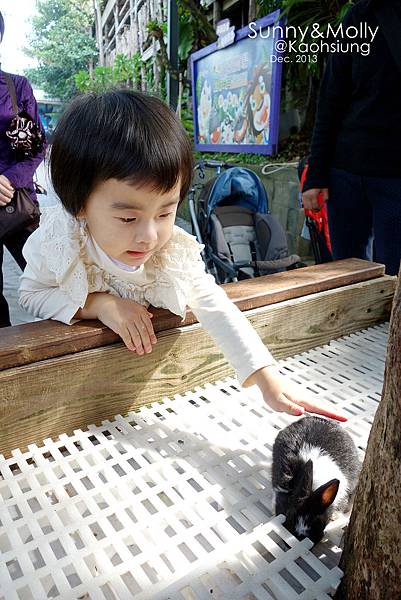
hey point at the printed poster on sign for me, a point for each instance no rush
(236, 90)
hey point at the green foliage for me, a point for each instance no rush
(186, 35)
(240, 158)
(149, 77)
(195, 31)
(124, 73)
(186, 113)
(265, 7)
(306, 12)
(62, 43)
(101, 80)
(291, 150)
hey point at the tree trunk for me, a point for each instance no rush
(99, 31)
(216, 12)
(371, 559)
(252, 11)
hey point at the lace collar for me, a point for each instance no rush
(170, 271)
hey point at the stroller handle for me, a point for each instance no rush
(213, 164)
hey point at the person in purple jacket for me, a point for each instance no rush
(13, 174)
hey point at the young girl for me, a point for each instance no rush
(121, 164)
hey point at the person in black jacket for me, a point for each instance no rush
(356, 146)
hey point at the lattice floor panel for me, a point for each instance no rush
(173, 502)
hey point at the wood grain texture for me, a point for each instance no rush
(61, 394)
(31, 342)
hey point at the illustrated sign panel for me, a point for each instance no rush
(236, 91)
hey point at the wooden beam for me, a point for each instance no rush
(32, 342)
(58, 395)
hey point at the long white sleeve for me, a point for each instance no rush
(229, 328)
(39, 292)
(56, 282)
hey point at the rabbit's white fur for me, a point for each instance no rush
(324, 469)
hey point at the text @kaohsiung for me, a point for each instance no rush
(311, 40)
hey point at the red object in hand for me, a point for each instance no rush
(319, 217)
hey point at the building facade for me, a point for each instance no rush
(121, 26)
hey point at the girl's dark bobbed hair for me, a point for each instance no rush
(121, 134)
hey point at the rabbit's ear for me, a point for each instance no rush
(324, 496)
(303, 487)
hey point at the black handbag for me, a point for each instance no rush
(26, 137)
(21, 213)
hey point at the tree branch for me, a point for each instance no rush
(157, 32)
(201, 18)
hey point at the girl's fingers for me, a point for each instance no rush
(325, 411)
(136, 338)
(292, 408)
(149, 327)
(139, 336)
(126, 337)
(142, 328)
(282, 403)
(320, 408)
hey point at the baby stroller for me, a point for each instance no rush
(230, 217)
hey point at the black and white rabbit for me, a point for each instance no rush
(315, 472)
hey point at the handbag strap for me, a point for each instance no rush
(390, 23)
(12, 91)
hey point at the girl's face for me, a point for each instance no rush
(130, 223)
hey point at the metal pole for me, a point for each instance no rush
(172, 49)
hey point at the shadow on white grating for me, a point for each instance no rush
(173, 502)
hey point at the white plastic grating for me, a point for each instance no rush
(173, 502)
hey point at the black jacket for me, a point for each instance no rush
(358, 121)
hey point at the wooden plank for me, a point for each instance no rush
(61, 394)
(25, 344)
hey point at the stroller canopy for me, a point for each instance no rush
(238, 187)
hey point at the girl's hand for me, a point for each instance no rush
(285, 396)
(130, 320)
(6, 191)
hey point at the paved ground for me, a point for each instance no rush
(12, 271)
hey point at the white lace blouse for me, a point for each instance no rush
(65, 264)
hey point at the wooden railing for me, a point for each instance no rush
(55, 378)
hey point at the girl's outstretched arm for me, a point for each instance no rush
(245, 351)
(285, 396)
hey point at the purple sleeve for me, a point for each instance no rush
(21, 174)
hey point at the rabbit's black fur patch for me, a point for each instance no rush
(308, 509)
